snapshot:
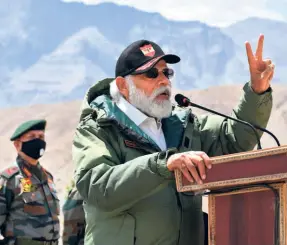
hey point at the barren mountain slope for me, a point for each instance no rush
(63, 117)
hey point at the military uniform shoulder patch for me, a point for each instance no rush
(8, 173)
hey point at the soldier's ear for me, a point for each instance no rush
(18, 145)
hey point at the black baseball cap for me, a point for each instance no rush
(140, 56)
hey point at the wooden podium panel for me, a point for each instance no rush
(246, 197)
(247, 217)
(259, 166)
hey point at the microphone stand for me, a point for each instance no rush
(253, 126)
(231, 118)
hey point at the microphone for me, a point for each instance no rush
(184, 102)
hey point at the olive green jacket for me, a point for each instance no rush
(130, 196)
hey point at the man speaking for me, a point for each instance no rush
(131, 138)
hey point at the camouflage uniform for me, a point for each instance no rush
(29, 206)
(74, 218)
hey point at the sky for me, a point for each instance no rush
(12, 18)
(219, 13)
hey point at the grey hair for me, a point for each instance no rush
(114, 90)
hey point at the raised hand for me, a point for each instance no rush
(261, 71)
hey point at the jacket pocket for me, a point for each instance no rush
(34, 203)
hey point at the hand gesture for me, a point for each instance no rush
(261, 71)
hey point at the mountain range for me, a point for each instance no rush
(53, 51)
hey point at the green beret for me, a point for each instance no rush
(27, 126)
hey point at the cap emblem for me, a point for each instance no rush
(148, 50)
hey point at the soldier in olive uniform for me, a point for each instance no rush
(29, 206)
(74, 217)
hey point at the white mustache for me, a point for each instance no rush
(165, 89)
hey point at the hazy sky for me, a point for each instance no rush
(213, 12)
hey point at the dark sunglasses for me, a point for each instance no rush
(154, 73)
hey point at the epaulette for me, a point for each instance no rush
(8, 173)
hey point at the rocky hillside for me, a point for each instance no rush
(63, 117)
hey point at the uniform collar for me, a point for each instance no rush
(27, 169)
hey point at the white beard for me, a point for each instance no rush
(148, 104)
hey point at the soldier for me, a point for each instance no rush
(29, 206)
(74, 217)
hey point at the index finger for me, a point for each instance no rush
(259, 50)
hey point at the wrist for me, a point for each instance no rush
(260, 91)
(162, 163)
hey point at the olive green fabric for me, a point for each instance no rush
(129, 194)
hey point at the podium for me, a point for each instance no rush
(246, 197)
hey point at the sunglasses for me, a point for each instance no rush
(154, 73)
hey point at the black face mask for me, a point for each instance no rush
(34, 148)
